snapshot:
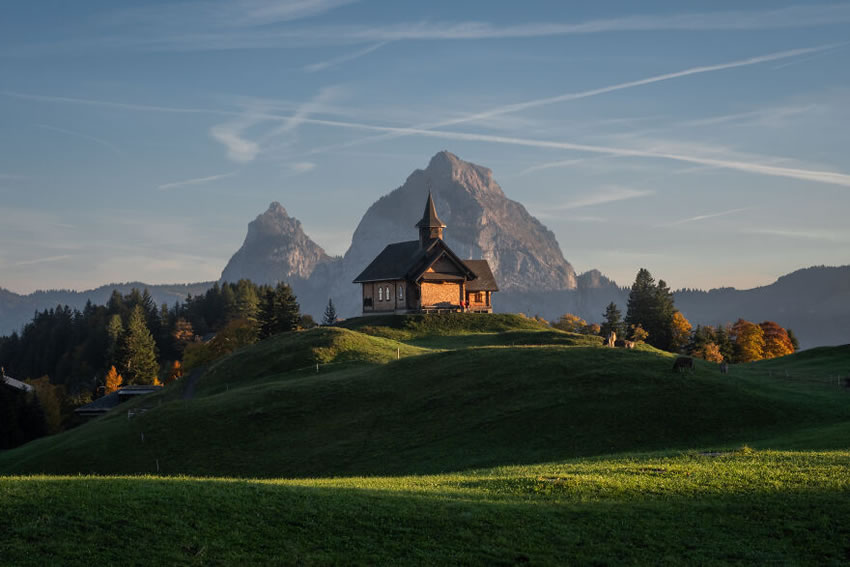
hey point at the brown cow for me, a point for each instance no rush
(630, 344)
(683, 363)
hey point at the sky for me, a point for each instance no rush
(705, 141)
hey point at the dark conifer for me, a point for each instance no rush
(330, 313)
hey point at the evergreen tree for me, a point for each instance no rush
(612, 321)
(651, 306)
(140, 365)
(663, 318)
(115, 331)
(247, 300)
(330, 313)
(279, 311)
(724, 343)
(641, 300)
(793, 338)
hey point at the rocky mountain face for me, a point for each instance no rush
(275, 249)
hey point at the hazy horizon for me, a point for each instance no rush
(706, 143)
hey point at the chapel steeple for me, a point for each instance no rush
(430, 227)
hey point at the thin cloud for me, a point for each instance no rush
(561, 163)
(195, 181)
(119, 105)
(322, 65)
(709, 216)
(43, 260)
(105, 143)
(602, 197)
(221, 14)
(243, 150)
(302, 166)
(829, 177)
(227, 25)
(517, 107)
(805, 234)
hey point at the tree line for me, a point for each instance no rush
(72, 356)
(652, 317)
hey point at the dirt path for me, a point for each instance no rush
(189, 389)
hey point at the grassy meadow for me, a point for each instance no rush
(458, 439)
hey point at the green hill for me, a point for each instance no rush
(337, 401)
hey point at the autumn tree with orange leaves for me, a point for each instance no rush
(749, 341)
(776, 340)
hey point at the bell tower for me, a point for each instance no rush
(430, 227)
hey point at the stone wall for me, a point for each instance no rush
(436, 293)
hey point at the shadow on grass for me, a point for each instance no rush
(85, 521)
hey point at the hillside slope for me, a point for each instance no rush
(382, 406)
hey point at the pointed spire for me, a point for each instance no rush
(430, 227)
(430, 218)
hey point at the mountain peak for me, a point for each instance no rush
(275, 249)
(446, 169)
(276, 209)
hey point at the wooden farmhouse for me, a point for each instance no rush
(426, 276)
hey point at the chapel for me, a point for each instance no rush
(426, 276)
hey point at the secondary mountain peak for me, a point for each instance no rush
(275, 249)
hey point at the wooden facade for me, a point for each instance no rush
(425, 275)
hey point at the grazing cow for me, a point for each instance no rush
(683, 363)
(630, 344)
(724, 367)
(612, 339)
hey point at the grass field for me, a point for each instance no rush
(449, 440)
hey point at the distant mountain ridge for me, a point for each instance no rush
(16, 309)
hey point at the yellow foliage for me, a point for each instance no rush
(749, 341)
(113, 380)
(776, 340)
(176, 372)
(570, 323)
(709, 352)
(639, 334)
(681, 332)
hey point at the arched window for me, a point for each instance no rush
(389, 294)
(401, 293)
(380, 294)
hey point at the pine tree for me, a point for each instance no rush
(724, 343)
(793, 338)
(279, 311)
(247, 300)
(330, 313)
(114, 330)
(641, 303)
(612, 321)
(140, 365)
(651, 306)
